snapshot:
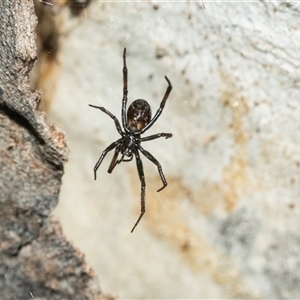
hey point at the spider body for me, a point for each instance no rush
(135, 122)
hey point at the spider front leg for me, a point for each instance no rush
(109, 148)
(155, 161)
(114, 160)
(140, 169)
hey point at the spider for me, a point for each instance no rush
(135, 123)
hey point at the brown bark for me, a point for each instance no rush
(35, 258)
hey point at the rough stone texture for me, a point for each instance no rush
(36, 261)
(227, 225)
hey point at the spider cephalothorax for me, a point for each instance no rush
(135, 122)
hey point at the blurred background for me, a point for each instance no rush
(227, 225)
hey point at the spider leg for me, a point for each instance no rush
(162, 105)
(140, 169)
(109, 148)
(156, 136)
(118, 126)
(155, 161)
(125, 90)
(114, 160)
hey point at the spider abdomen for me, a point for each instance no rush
(138, 115)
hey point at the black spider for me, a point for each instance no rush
(138, 120)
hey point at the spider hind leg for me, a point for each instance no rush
(140, 168)
(159, 168)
